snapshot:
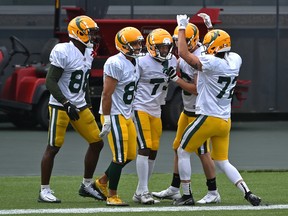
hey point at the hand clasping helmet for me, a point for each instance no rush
(83, 29)
(217, 41)
(127, 39)
(191, 33)
(156, 41)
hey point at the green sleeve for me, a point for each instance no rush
(52, 78)
(87, 95)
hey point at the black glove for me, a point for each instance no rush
(71, 111)
(171, 72)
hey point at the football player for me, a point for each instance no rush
(67, 81)
(218, 71)
(189, 94)
(121, 75)
(150, 95)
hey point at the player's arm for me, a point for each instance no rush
(207, 21)
(108, 89)
(183, 52)
(189, 87)
(87, 95)
(52, 78)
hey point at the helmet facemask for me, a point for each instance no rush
(163, 51)
(135, 48)
(92, 35)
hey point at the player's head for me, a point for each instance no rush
(217, 41)
(84, 29)
(159, 44)
(129, 41)
(191, 34)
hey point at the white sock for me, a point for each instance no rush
(186, 188)
(45, 187)
(87, 182)
(151, 164)
(230, 171)
(243, 187)
(233, 175)
(142, 168)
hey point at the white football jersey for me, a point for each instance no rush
(187, 74)
(73, 81)
(121, 69)
(215, 84)
(153, 85)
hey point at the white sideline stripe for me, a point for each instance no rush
(139, 209)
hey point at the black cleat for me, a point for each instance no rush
(184, 200)
(90, 191)
(253, 199)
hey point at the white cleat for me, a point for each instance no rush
(145, 198)
(167, 194)
(210, 197)
(46, 195)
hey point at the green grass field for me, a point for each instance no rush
(22, 192)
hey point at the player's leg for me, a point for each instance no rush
(208, 165)
(144, 141)
(56, 133)
(87, 127)
(195, 134)
(173, 191)
(220, 156)
(118, 142)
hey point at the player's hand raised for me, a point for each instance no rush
(206, 19)
(182, 21)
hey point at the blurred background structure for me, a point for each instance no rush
(258, 28)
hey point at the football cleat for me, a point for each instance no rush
(115, 201)
(210, 197)
(167, 194)
(184, 200)
(252, 199)
(46, 195)
(144, 198)
(103, 188)
(90, 191)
